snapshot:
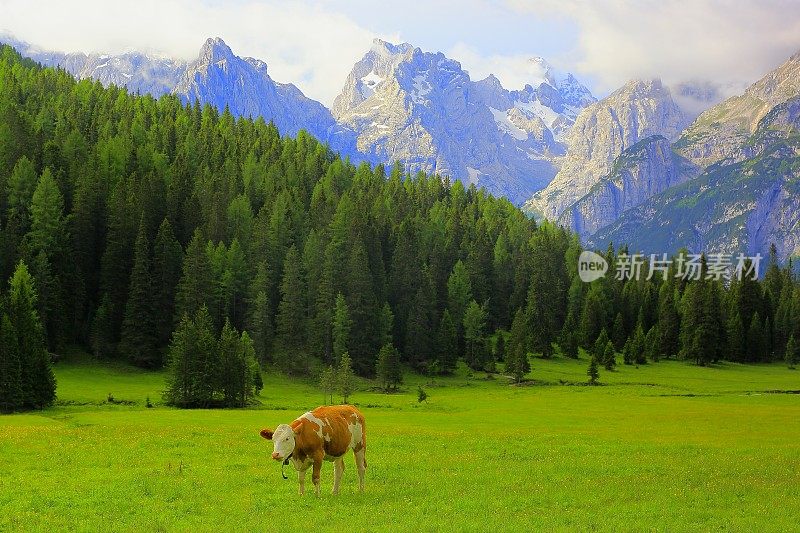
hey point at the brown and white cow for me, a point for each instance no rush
(324, 433)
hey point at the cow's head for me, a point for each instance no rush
(282, 440)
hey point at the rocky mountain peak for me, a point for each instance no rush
(215, 50)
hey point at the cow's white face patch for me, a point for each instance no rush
(283, 442)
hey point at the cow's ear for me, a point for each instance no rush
(266, 433)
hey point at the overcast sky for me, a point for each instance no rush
(315, 43)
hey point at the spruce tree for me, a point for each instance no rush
(327, 382)
(195, 288)
(618, 335)
(446, 344)
(259, 318)
(291, 319)
(735, 338)
(600, 346)
(167, 263)
(341, 328)
(475, 353)
(362, 307)
(755, 339)
(792, 356)
(609, 356)
(593, 372)
(38, 383)
(388, 369)
(517, 363)
(11, 398)
(139, 341)
(345, 378)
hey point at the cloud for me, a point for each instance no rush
(513, 71)
(731, 43)
(303, 43)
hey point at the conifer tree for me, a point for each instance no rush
(475, 353)
(755, 339)
(618, 335)
(291, 310)
(387, 368)
(11, 397)
(345, 378)
(259, 321)
(446, 344)
(167, 263)
(792, 356)
(327, 382)
(362, 307)
(609, 357)
(341, 327)
(195, 288)
(517, 363)
(139, 341)
(599, 351)
(38, 383)
(735, 337)
(593, 372)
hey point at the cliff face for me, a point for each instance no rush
(718, 134)
(602, 131)
(743, 206)
(647, 168)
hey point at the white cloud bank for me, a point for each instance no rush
(729, 42)
(303, 43)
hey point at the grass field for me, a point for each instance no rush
(667, 446)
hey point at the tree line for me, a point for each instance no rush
(140, 218)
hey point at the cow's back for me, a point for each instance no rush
(342, 428)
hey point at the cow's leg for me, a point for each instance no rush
(361, 464)
(338, 470)
(316, 471)
(301, 477)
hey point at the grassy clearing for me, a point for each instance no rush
(662, 447)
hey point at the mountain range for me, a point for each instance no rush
(635, 166)
(399, 103)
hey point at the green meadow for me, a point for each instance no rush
(666, 447)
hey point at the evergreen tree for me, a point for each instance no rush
(517, 363)
(600, 346)
(195, 288)
(193, 370)
(446, 344)
(618, 335)
(291, 318)
(756, 341)
(475, 353)
(167, 262)
(139, 341)
(459, 296)
(259, 322)
(792, 352)
(345, 378)
(363, 308)
(736, 338)
(11, 397)
(386, 324)
(327, 382)
(38, 383)
(341, 328)
(593, 372)
(235, 367)
(388, 369)
(609, 356)
(420, 339)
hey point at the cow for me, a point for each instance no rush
(326, 433)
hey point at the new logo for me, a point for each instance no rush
(591, 266)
